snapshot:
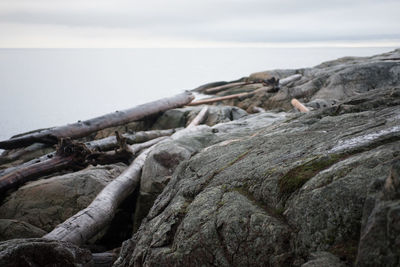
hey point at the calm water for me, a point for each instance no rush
(49, 87)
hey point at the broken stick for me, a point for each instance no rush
(296, 103)
(289, 79)
(217, 99)
(224, 87)
(201, 116)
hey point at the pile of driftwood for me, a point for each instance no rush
(129, 148)
(72, 154)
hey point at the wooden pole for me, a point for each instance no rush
(296, 103)
(289, 79)
(84, 128)
(217, 99)
(224, 87)
(201, 116)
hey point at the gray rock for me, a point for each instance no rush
(334, 80)
(10, 229)
(321, 103)
(47, 202)
(42, 252)
(380, 232)
(165, 157)
(181, 117)
(272, 193)
(323, 258)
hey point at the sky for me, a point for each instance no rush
(205, 23)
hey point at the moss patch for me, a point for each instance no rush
(272, 211)
(297, 177)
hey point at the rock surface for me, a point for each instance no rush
(41, 252)
(181, 117)
(334, 81)
(380, 229)
(266, 189)
(10, 229)
(47, 202)
(276, 194)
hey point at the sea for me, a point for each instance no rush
(42, 88)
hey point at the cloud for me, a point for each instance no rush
(185, 22)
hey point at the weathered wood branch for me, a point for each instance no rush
(200, 117)
(289, 79)
(110, 142)
(13, 155)
(218, 99)
(206, 86)
(89, 221)
(105, 259)
(225, 87)
(296, 103)
(102, 145)
(69, 154)
(136, 148)
(84, 128)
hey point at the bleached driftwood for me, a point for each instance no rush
(88, 222)
(136, 148)
(225, 87)
(289, 79)
(296, 103)
(200, 117)
(84, 128)
(111, 142)
(217, 99)
(69, 155)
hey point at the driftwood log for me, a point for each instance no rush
(13, 155)
(296, 103)
(218, 99)
(201, 116)
(287, 80)
(95, 154)
(268, 89)
(111, 142)
(104, 144)
(69, 155)
(88, 222)
(82, 226)
(84, 128)
(104, 259)
(225, 87)
(206, 86)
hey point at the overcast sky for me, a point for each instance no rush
(204, 23)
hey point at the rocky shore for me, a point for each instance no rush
(256, 184)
